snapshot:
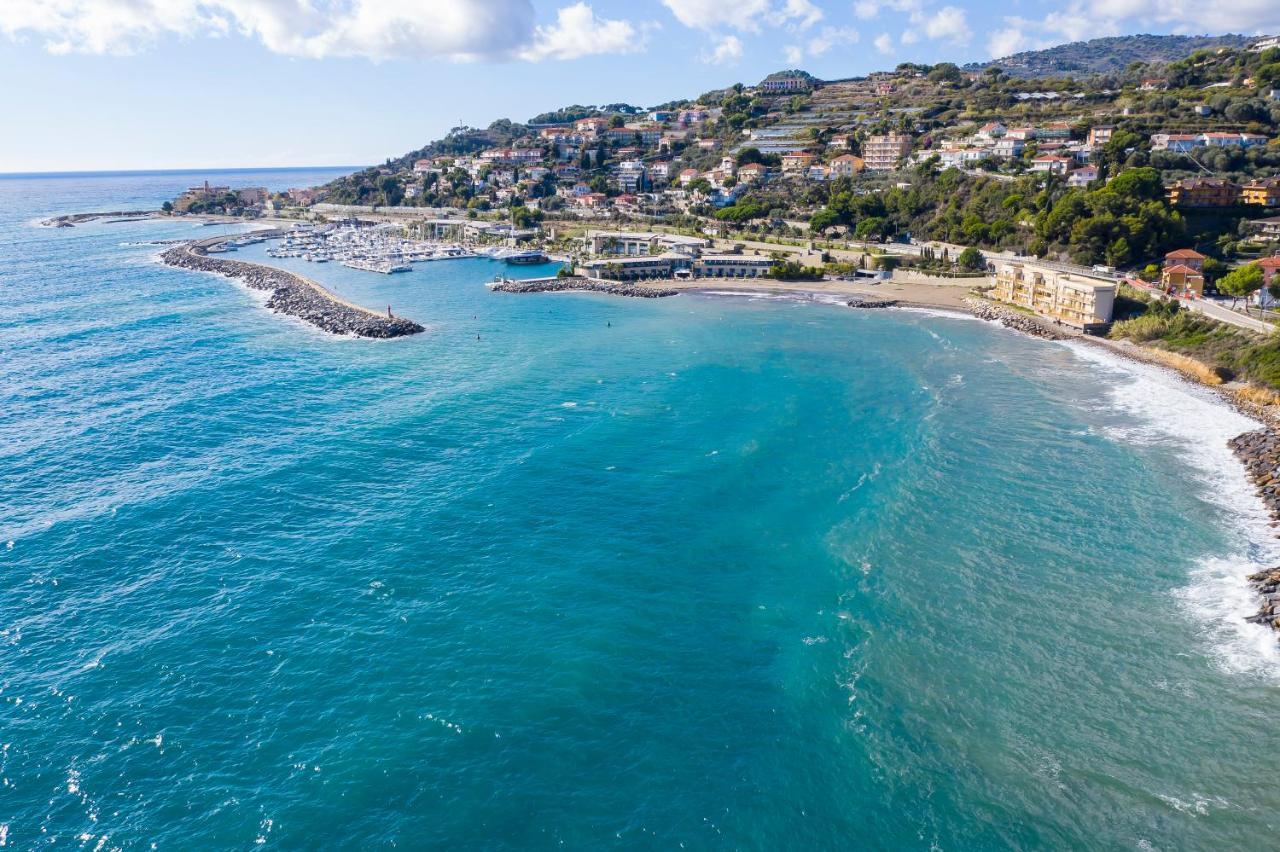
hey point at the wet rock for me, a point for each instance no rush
(1014, 319)
(293, 295)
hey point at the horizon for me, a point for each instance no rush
(106, 83)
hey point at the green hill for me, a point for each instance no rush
(1108, 55)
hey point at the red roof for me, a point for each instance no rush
(1270, 262)
(1185, 254)
(1185, 270)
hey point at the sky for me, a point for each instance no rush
(161, 84)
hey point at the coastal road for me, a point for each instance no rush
(1224, 314)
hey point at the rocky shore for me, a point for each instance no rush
(577, 283)
(294, 295)
(1010, 318)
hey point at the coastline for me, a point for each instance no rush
(292, 294)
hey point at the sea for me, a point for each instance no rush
(572, 571)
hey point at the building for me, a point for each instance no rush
(1179, 279)
(1268, 228)
(629, 176)
(847, 165)
(1076, 299)
(785, 83)
(1264, 192)
(640, 243)
(1083, 176)
(1009, 148)
(1203, 192)
(688, 176)
(1185, 257)
(886, 153)
(634, 268)
(421, 167)
(1056, 130)
(732, 266)
(1100, 135)
(751, 173)
(991, 131)
(796, 161)
(1233, 140)
(1051, 164)
(1270, 267)
(1180, 142)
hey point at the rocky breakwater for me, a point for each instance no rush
(1260, 453)
(1010, 318)
(871, 302)
(577, 283)
(294, 295)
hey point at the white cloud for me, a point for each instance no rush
(866, 9)
(831, 37)
(910, 37)
(1006, 42)
(884, 43)
(949, 23)
(800, 13)
(709, 14)
(578, 32)
(793, 54)
(372, 29)
(744, 15)
(727, 50)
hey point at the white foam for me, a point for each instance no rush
(1170, 411)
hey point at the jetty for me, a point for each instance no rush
(579, 283)
(292, 294)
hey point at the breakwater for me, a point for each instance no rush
(72, 219)
(579, 283)
(293, 295)
(871, 302)
(1260, 453)
(1010, 318)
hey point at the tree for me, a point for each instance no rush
(971, 260)
(1241, 283)
(167, 207)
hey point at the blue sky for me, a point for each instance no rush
(132, 84)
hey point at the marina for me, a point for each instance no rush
(378, 248)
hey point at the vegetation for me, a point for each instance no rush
(1230, 353)
(790, 270)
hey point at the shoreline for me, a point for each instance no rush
(292, 294)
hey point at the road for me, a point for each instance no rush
(1225, 314)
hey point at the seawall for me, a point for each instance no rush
(293, 295)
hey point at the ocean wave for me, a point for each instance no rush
(1167, 410)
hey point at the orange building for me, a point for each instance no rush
(1203, 192)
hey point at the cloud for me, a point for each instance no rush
(831, 37)
(884, 43)
(578, 32)
(948, 23)
(727, 50)
(744, 15)
(793, 54)
(316, 29)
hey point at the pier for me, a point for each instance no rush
(292, 294)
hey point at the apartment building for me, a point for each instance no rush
(1075, 299)
(886, 153)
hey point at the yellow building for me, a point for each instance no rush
(1264, 192)
(1075, 299)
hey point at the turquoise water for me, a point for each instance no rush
(702, 573)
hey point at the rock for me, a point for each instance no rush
(294, 296)
(1010, 318)
(580, 284)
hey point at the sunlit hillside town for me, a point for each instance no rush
(1053, 194)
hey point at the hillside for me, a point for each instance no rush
(1107, 55)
